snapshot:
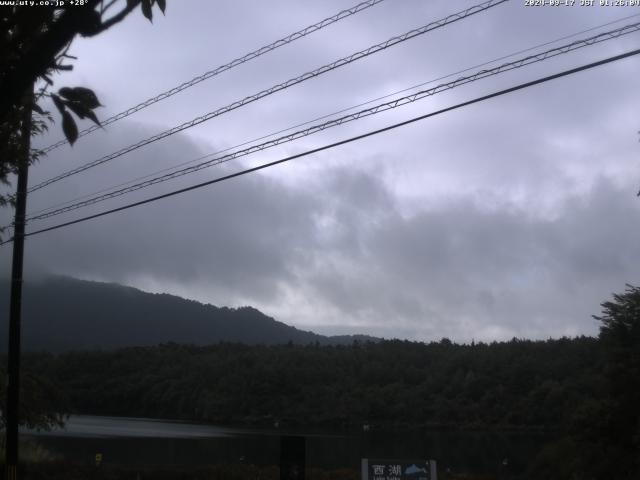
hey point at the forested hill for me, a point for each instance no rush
(400, 383)
(61, 313)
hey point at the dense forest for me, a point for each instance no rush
(393, 383)
(584, 391)
(560, 386)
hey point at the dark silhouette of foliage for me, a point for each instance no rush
(603, 434)
(42, 403)
(387, 384)
(620, 415)
(34, 46)
(582, 391)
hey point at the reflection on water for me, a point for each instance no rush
(90, 426)
(136, 441)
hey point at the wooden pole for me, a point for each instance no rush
(15, 307)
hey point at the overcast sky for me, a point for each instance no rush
(513, 217)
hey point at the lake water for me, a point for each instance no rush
(139, 441)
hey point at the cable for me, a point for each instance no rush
(276, 88)
(339, 63)
(341, 142)
(351, 117)
(223, 68)
(247, 142)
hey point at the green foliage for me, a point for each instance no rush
(584, 390)
(34, 46)
(81, 101)
(558, 386)
(391, 384)
(146, 9)
(69, 127)
(30, 452)
(603, 440)
(619, 417)
(42, 403)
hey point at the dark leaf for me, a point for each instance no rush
(77, 108)
(57, 101)
(47, 79)
(162, 4)
(146, 9)
(85, 96)
(64, 67)
(92, 116)
(69, 127)
(37, 108)
(67, 93)
(83, 112)
(91, 23)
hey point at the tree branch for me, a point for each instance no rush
(108, 6)
(131, 5)
(37, 60)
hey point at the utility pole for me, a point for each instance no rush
(15, 307)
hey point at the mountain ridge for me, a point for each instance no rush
(65, 313)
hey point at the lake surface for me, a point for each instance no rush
(139, 441)
(88, 426)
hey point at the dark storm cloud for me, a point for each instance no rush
(236, 233)
(511, 217)
(341, 250)
(467, 272)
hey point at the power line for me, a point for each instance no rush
(322, 117)
(341, 142)
(223, 68)
(276, 88)
(351, 117)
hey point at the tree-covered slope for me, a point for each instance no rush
(61, 313)
(513, 384)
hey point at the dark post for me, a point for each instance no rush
(13, 367)
(292, 458)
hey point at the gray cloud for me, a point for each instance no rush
(514, 217)
(469, 272)
(341, 254)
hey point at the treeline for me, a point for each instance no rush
(584, 390)
(516, 384)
